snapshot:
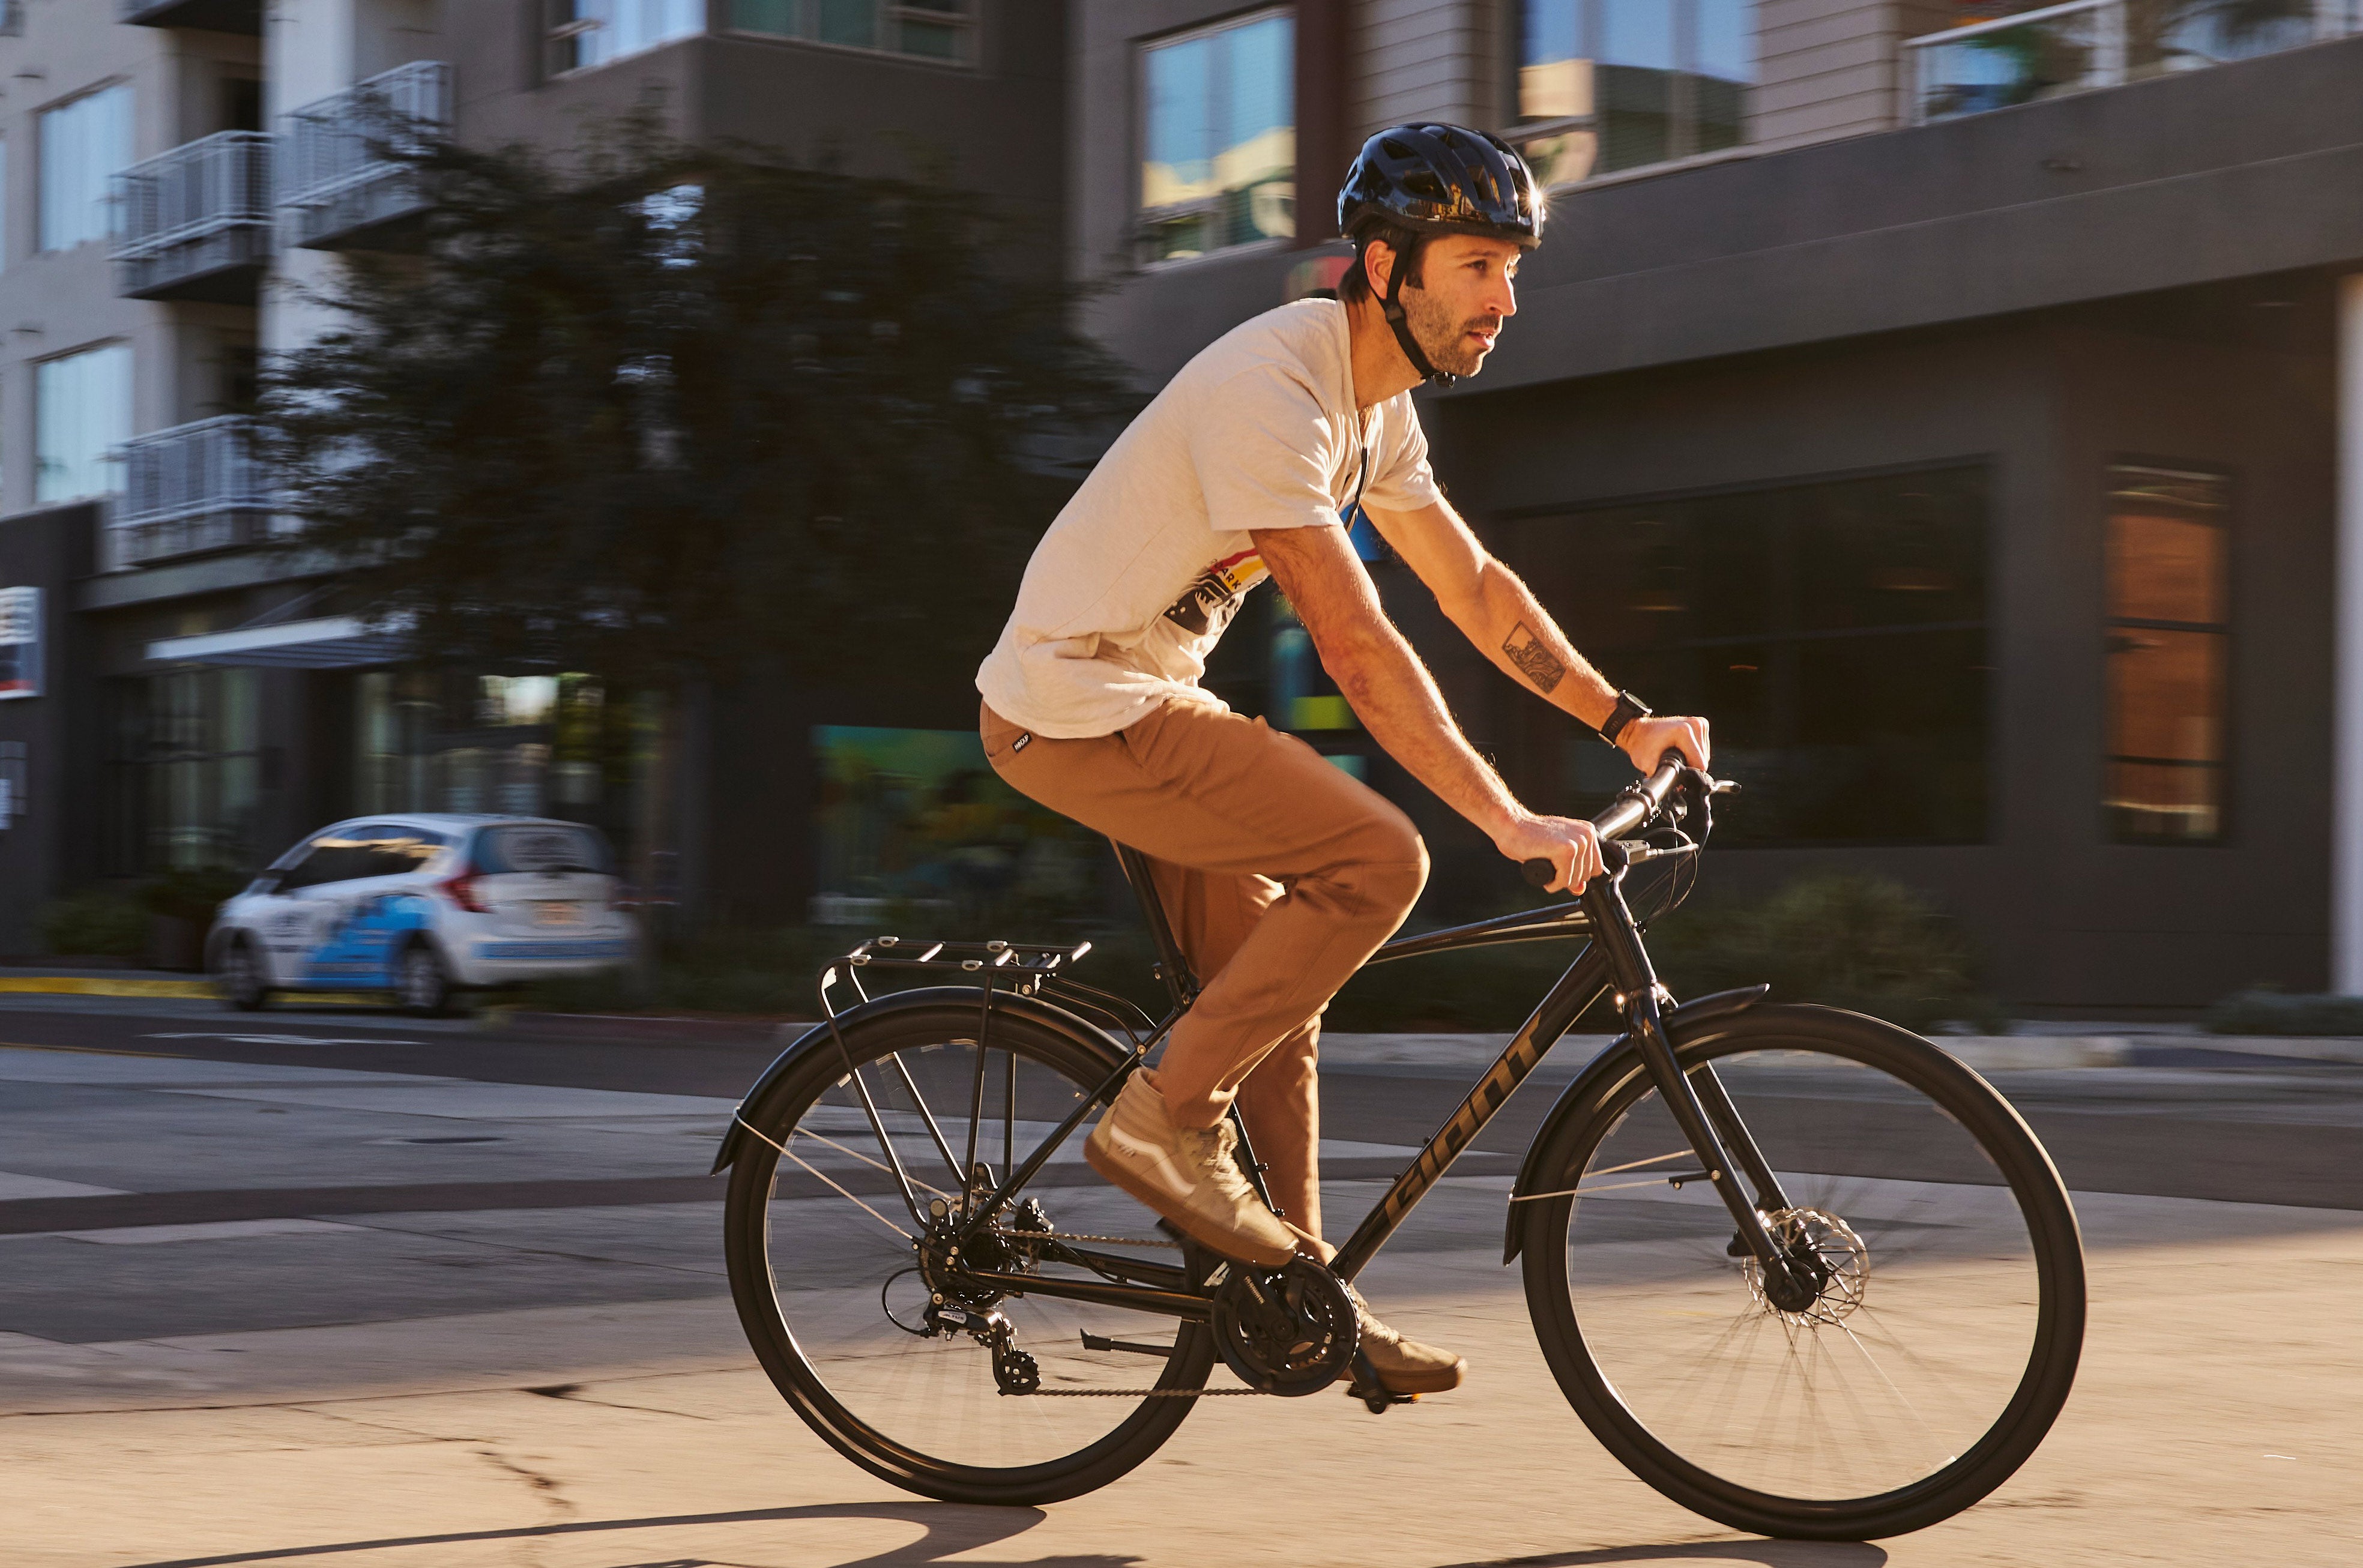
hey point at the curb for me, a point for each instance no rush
(91, 985)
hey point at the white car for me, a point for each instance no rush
(422, 905)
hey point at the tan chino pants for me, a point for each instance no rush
(1280, 875)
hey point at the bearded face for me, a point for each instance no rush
(1455, 303)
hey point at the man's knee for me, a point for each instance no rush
(1394, 866)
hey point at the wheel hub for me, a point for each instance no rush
(1829, 1267)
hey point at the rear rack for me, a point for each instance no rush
(966, 958)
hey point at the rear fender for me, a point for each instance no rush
(1683, 1023)
(1007, 1003)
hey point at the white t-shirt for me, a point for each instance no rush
(1133, 584)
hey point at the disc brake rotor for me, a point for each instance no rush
(1831, 1251)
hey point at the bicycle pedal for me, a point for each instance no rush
(1376, 1396)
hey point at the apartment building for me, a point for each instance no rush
(1960, 404)
(179, 181)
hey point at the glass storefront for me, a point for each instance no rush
(530, 745)
(185, 773)
(1834, 633)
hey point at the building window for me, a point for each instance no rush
(188, 772)
(81, 413)
(84, 144)
(932, 29)
(1834, 634)
(1609, 85)
(584, 33)
(1218, 137)
(2169, 577)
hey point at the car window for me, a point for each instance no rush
(396, 850)
(536, 847)
(375, 848)
(329, 858)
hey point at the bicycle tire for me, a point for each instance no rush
(1644, 1411)
(1079, 1060)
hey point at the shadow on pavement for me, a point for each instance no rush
(1770, 1553)
(952, 1530)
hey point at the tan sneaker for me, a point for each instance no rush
(1404, 1366)
(1187, 1174)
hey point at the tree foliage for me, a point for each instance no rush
(658, 410)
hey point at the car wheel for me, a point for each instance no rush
(239, 975)
(422, 984)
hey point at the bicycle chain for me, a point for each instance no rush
(1071, 1236)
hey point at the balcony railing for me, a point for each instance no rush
(191, 488)
(2057, 50)
(197, 221)
(344, 179)
(214, 15)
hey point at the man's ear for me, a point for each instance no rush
(1373, 254)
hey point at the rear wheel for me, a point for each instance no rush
(422, 982)
(835, 1277)
(1944, 1333)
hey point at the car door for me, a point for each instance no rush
(297, 914)
(356, 920)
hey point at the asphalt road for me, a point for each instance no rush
(210, 1220)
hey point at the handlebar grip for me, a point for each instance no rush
(1539, 872)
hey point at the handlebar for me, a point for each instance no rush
(1634, 805)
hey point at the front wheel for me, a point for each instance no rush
(239, 975)
(1944, 1333)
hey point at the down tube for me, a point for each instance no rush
(1583, 981)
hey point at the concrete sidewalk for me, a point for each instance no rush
(2214, 1423)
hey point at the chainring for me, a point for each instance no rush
(1290, 1331)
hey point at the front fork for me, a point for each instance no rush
(1700, 1107)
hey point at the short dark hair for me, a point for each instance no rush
(1408, 243)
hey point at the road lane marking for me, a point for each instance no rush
(14, 1186)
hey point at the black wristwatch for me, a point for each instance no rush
(1628, 708)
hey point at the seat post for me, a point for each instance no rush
(1181, 981)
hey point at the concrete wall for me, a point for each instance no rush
(996, 127)
(48, 850)
(1444, 59)
(54, 304)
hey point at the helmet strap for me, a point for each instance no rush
(1391, 308)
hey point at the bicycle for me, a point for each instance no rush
(1850, 1312)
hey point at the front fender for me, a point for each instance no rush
(1681, 1024)
(1034, 1010)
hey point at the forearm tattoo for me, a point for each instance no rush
(1533, 660)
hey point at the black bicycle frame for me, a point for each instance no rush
(1614, 959)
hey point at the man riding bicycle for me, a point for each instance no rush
(1280, 872)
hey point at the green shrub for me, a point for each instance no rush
(1864, 943)
(97, 921)
(2266, 1010)
(191, 895)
